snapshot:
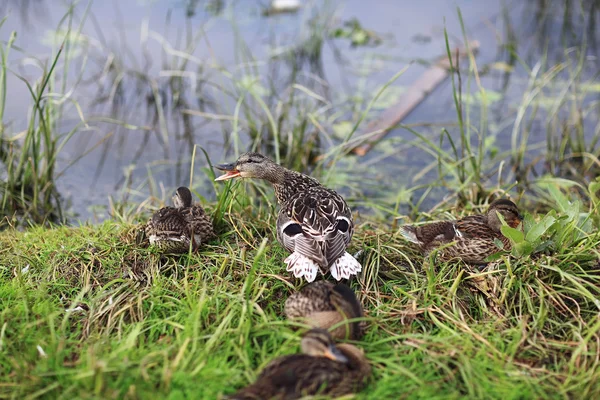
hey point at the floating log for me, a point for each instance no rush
(415, 94)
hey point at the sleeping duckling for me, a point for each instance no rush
(471, 239)
(322, 305)
(174, 229)
(322, 368)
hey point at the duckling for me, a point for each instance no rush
(471, 239)
(322, 305)
(314, 223)
(323, 368)
(173, 229)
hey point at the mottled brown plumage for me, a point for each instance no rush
(174, 229)
(322, 305)
(324, 369)
(471, 239)
(314, 222)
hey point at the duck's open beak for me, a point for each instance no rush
(333, 353)
(230, 172)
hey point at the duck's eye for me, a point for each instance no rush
(508, 214)
(293, 230)
(343, 225)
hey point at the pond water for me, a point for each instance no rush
(129, 51)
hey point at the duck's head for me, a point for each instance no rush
(251, 165)
(509, 212)
(319, 343)
(182, 197)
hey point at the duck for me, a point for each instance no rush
(322, 368)
(471, 239)
(314, 223)
(176, 229)
(323, 304)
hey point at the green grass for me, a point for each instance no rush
(197, 326)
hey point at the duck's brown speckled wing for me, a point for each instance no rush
(316, 223)
(473, 239)
(199, 223)
(312, 298)
(472, 226)
(294, 376)
(435, 232)
(167, 230)
(167, 219)
(438, 233)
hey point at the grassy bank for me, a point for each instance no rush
(86, 313)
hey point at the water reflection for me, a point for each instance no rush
(29, 11)
(174, 75)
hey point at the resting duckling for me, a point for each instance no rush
(314, 222)
(174, 229)
(474, 237)
(322, 305)
(322, 368)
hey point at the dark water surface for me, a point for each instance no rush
(136, 44)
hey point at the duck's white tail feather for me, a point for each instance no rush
(345, 267)
(302, 266)
(409, 233)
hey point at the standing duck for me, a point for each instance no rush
(322, 305)
(314, 222)
(323, 368)
(471, 239)
(174, 229)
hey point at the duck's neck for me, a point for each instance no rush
(288, 183)
(493, 221)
